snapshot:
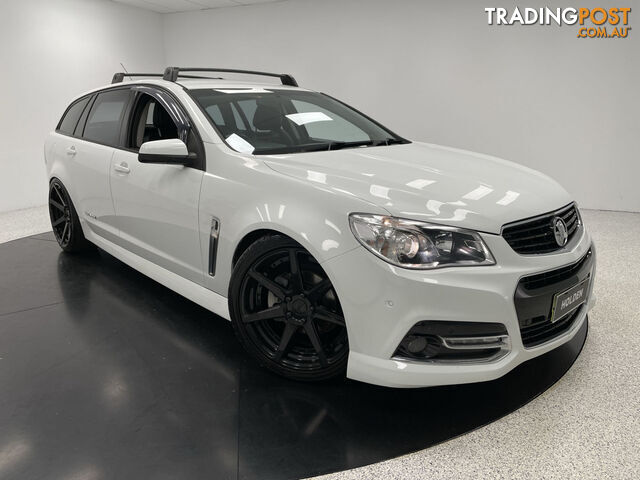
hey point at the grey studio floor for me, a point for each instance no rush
(586, 426)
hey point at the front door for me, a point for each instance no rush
(156, 205)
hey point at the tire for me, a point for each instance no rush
(286, 313)
(64, 219)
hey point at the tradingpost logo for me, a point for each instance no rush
(592, 22)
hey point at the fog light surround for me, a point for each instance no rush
(462, 343)
(454, 342)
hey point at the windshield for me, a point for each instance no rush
(272, 121)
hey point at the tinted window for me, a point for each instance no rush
(151, 122)
(83, 119)
(71, 117)
(105, 119)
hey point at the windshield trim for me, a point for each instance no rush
(398, 140)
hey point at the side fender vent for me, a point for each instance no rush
(213, 245)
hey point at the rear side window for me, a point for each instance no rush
(83, 119)
(105, 118)
(70, 120)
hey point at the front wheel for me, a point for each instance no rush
(286, 313)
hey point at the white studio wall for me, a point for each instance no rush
(437, 72)
(50, 52)
(429, 70)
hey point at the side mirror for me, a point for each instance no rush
(171, 151)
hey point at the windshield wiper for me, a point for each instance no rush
(319, 147)
(364, 143)
(339, 145)
(389, 141)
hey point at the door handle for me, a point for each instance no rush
(71, 151)
(122, 168)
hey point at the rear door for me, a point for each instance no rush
(62, 148)
(156, 205)
(97, 136)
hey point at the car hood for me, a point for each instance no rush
(430, 183)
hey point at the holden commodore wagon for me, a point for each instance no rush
(334, 246)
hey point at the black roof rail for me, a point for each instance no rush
(119, 76)
(172, 73)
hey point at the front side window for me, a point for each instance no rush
(105, 118)
(272, 121)
(72, 115)
(151, 121)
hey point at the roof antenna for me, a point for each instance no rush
(125, 70)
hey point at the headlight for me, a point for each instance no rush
(419, 245)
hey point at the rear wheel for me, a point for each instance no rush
(286, 312)
(64, 219)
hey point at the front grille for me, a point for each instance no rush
(536, 236)
(542, 329)
(534, 300)
(547, 278)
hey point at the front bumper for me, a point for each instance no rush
(382, 303)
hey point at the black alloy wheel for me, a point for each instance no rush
(286, 312)
(64, 219)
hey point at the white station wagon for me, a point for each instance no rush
(332, 244)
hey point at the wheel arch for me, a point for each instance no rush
(59, 171)
(321, 243)
(249, 239)
(66, 184)
(259, 230)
